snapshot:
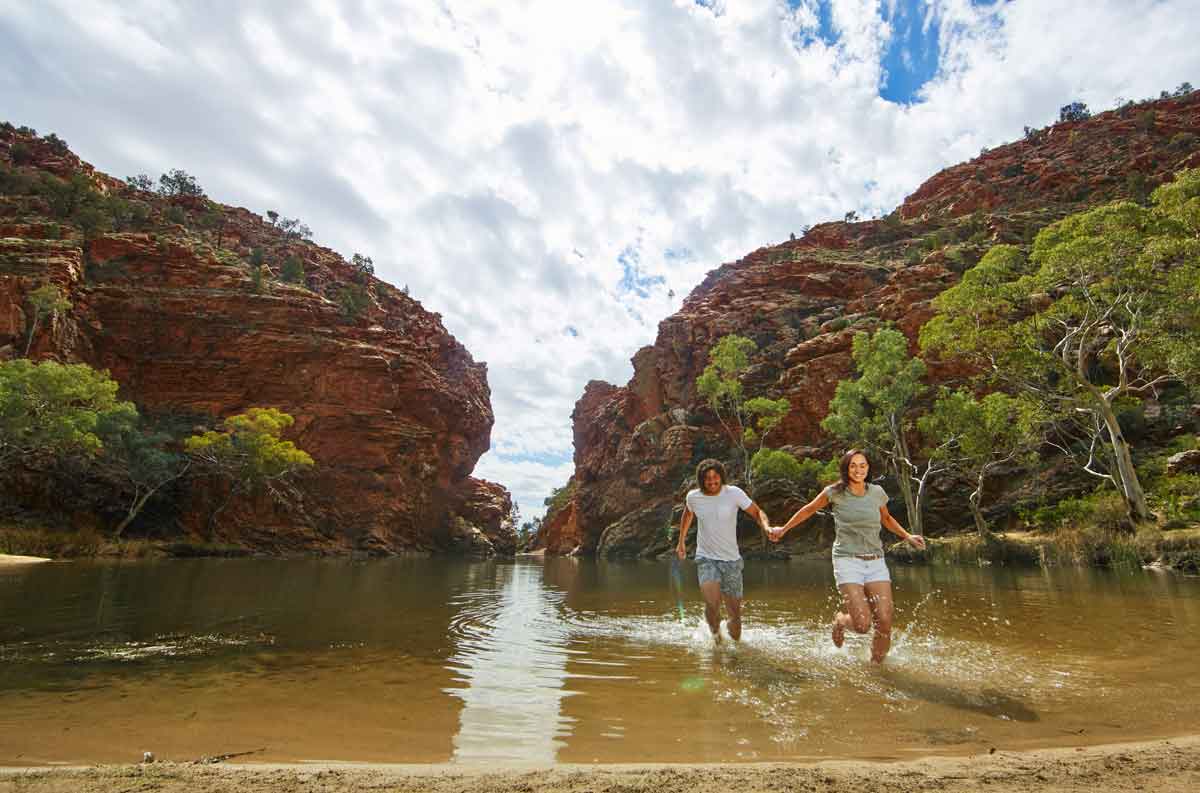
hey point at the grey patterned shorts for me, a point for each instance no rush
(728, 573)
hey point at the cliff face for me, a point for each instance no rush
(802, 301)
(394, 411)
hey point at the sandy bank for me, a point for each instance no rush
(5, 559)
(1163, 766)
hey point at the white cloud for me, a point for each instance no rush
(498, 157)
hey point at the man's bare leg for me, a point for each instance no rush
(879, 596)
(734, 607)
(855, 613)
(711, 590)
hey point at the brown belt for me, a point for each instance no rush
(870, 557)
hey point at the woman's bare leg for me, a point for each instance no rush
(879, 596)
(855, 613)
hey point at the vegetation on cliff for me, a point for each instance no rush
(202, 312)
(1073, 211)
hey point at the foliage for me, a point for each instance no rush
(57, 144)
(248, 454)
(53, 410)
(177, 182)
(1104, 306)
(746, 422)
(141, 457)
(21, 154)
(875, 411)
(292, 228)
(559, 497)
(978, 435)
(47, 301)
(778, 464)
(176, 215)
(352, 301)
(1076, 111)
(293, 270)
(363, 266)
(41, 541)
(141, 182)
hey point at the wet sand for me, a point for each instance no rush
(6, 559)
(1171, 766)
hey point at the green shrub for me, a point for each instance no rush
(776, 464)
(293, 270)
(1184, 141)
(176, 215)
(837, 324)
(559, 497)
(140, 182)
(352, 301)
(179, 183)
(25, 541)
(21, 154)
(57, 144)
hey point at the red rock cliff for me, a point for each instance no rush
(392, 408)
(802, 301)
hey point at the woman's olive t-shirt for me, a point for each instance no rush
(856, 520)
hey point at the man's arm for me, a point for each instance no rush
(685, 523)
(755, 512)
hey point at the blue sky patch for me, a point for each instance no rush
(910, 58)
(824, 31)
(632, 279)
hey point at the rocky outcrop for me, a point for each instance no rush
(392, 408)
(803, 301)
(1186, 462)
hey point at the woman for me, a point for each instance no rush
(859, 509)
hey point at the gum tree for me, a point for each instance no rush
(747, 422)
(1100, 314)
(876, 412)
(978, 436)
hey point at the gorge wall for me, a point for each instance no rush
(802, 302)
(394, 411)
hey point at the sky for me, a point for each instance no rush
(554, 176)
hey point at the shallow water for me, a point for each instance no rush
(575, 661)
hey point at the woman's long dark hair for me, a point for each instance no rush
(844, 469)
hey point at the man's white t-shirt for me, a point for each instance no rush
(716, 535)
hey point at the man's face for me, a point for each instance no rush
(712, 481)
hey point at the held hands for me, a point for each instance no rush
(775, 533)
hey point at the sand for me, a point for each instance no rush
(7, 559)
(1171, 766)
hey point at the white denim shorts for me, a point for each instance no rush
(852, 570)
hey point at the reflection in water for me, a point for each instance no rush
(574, 661)
(511, 656)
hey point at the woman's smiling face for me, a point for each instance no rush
(859, 469)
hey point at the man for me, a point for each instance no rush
(718, 560)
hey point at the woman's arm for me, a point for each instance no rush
(804, 513)
(892, 525)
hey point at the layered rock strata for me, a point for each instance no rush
(803, 301)
(392, 408)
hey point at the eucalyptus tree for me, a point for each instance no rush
(1102, 312)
